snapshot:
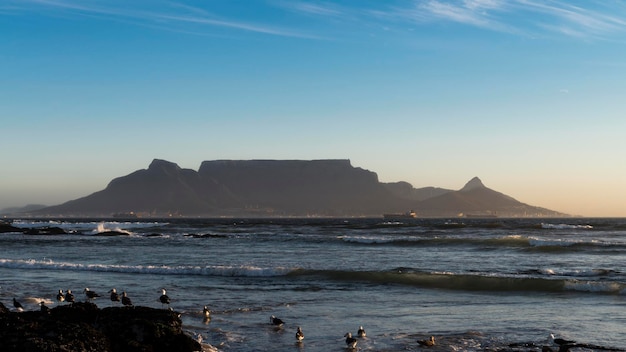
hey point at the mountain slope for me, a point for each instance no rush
(258, 188)
(475, 199)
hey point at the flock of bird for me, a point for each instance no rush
(69, 297)
(351, 342)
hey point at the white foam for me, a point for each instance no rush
(564, 226)
(245, 271)
(538, 242)
(590, 286)
(367, 239)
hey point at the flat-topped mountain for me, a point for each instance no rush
(260, 188)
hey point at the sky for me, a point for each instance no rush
(528, 95)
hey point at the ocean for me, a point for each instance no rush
(474, 284)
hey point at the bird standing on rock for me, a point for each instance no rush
(44, 308)
(90, 294)
(115, 297)
(60, 296)
(164, 299)
(126, 300)
(17, 305)
(69, 296)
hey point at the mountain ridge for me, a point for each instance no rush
(282, 188)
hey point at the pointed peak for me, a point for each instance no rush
(473, 184)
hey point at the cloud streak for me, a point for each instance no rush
(529, 16)
(171, 12)
(595, 20)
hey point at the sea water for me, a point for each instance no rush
(474, 284)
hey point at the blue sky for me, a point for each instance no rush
(527, 95)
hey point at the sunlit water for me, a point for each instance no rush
(476, 285)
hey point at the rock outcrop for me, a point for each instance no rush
(84, 327)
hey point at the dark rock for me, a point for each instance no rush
(208, 235)
(5, 227)
(112, 233)
(45, 231)
(84, 327)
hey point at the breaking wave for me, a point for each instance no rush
(244, 271)
(398, 276)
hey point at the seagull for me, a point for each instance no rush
(560, 341)
(276, 321)
(562, 348)
(17, 305)
(125, 300)
(361, 332)
(165, 299)
(69, 296)
(90, 294)
(350, 341)
(60, 296)
(44, 308)
(427, 343)
(299, 335)
(114, 296)
(206, 313)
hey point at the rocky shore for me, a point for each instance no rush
(85, 327)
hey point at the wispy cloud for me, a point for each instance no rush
(155, 12)
(320, 9)
(589, 20)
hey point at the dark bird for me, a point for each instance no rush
(165, 299)
(276, 321)
(115, 297)
(206, 313)
(44, 308)
(60, 296)
(560, 341)
(299, 335)
(125, 300)
(69, 296)
(350, 341)
(361, 332)
(17, 305)
(427, 343)
(90, 294)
